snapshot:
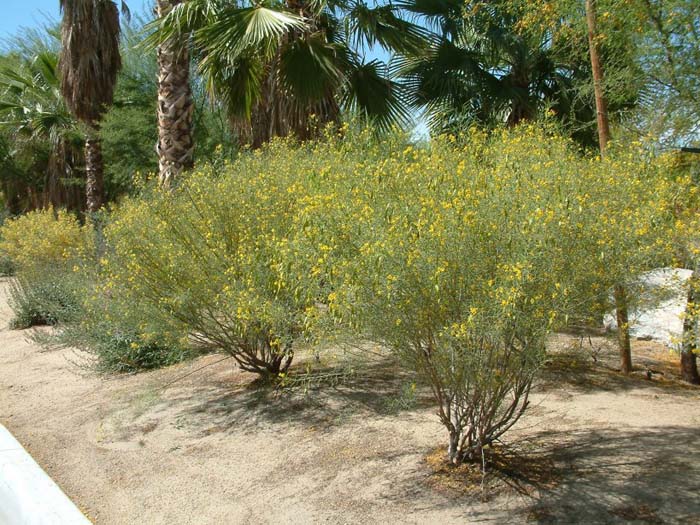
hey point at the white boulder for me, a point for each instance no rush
(659, 316)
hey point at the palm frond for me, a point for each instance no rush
(311, 67)
(236, 85)
(369, 26)
(236, 30)
(183, 19)
(374, 95)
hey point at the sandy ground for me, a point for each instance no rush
(212, 449)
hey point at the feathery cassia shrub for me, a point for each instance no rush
(463, 256)
(43, 246)
(460, 257)
(211, 255)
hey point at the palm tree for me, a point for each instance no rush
(42, 141)
(486, 65)
(286, 67)
(89, 63)
(175, 105)
(479, 67)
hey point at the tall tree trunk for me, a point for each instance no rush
(94, 172)
(175, 105)
(603, 140)
(600, 102)
(689, 360)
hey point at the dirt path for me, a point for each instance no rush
(212, 450)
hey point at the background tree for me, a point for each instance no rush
(603, 126)
(282, 68)
(40, 143)
(34, 116)
(494, 63)
(89, 62)
(668, 47)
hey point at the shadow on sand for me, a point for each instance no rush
(589, 476)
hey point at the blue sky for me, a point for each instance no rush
(33, 13)
(25, 13)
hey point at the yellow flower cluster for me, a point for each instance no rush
(44, 238)
(475, 233)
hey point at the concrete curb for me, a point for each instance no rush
(27, 495)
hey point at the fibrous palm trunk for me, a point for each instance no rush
(175, 105)
(94, 172)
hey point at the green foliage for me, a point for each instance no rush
(41, 158)
(44, 239)
(215, 264)
(44, 247)
(40, 145)
(120, 335)
(276, 68)
(404, 400)
(668, 51)
(6, 267)
(503, 62)
(46, 298)
(462, 257)
(129, 133)
(58, 283)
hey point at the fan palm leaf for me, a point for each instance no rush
(274, 64)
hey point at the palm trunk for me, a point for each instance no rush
(175, 105)
(689, 361)
(94, 172)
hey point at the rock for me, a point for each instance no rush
(659, 317)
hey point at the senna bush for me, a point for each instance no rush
(212, 255)
(59, 282)
(462, 257)
(43, 247)
(44, 238)
(218, 254)
(119, 334)
(7, 268)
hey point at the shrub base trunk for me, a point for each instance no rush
(689, 359)
(623, 329)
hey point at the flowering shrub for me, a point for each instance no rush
(58, 282)
(461, 258)
(43, 246)
(42, 239)
(211, 255)
(122, 335)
